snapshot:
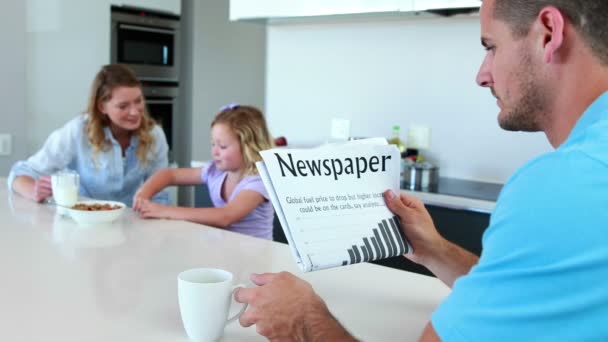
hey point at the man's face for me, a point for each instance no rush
(510, 71)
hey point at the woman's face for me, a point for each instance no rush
(125, 108)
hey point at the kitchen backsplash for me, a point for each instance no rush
(393, 72)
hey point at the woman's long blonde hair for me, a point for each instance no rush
(107, 79)
(250, 127)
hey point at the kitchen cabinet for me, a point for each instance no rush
(269, 9)
(425, 5)
(172, 6)
(275, 9)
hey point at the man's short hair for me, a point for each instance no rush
(587, 16)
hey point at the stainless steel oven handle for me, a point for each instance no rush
(145, 29)
(159, 101)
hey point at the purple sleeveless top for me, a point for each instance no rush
(257, 223)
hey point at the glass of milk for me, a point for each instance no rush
(65, 186)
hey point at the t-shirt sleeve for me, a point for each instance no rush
(206, 171)
(254, 183)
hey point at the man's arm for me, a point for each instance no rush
(445, 259)
(285, 307)
(429, 334)
(450, 262)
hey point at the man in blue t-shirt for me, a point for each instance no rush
(545, 254)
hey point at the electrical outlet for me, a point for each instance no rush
(340, 129)
(5, 144)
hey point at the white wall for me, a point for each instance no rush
(228, 66)
(378, 73)
(67, 45)
(12, 79)
(68, 41)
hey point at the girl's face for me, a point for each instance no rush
(125, 108)
(226, 148)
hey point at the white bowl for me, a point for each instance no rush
(85, 217)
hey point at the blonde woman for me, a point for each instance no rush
(238, 134)
(115, 146)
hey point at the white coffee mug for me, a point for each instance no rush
(205, 295)
(65, 186)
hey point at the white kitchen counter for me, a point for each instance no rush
(63, 282)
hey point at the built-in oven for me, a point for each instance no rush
(162, 104)
(146, 41)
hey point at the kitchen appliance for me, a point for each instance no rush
(420, 176)
(162, 103)
(146, 41)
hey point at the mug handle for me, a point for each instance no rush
(245, 305)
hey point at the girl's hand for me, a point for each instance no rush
(149, 209)
(42, 189)
(138, 200)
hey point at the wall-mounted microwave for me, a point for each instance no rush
(146, 41)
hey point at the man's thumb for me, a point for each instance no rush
(393, 202)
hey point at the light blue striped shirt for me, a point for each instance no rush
(109, 176)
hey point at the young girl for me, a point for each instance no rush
(238, 134)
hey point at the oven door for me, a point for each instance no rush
(162, 107)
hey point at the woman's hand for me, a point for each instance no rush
(149, 209)
(42, 189)
(416, 224)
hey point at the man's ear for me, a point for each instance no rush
(550, 23)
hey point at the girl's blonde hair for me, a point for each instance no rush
(249, 125)
(107, 79)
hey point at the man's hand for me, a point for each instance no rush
(445, 259)
(285, 307)
(417, 224)
(42, 189)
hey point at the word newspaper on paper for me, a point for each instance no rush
(330, 201)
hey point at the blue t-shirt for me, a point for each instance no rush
(543, 272)
(109, 176)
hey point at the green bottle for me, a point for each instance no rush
(396, 139)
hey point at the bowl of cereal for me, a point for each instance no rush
(96, 211)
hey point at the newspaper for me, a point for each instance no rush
(330, 201)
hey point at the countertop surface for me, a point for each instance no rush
(460, 194)
(467, 188)
(118, 282)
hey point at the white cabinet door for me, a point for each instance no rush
(172, 6)
(423, 5)
(261, 9)
(247, 9)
